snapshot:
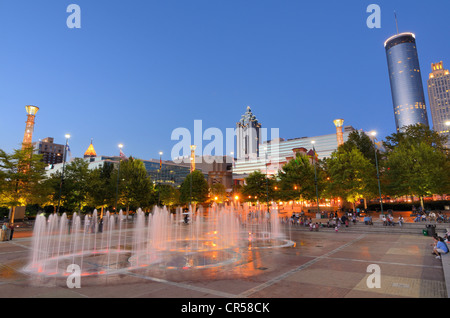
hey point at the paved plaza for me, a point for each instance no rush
(322, 264)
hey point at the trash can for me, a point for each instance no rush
(431, 229)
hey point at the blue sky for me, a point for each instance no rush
(137, 70)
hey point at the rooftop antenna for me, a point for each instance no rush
(396, 22)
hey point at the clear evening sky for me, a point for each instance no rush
(138, 69)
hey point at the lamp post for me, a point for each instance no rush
(373, 133)
(159, 181)
(267, 180)
(62, 173)
(315, 176)
(118, 177)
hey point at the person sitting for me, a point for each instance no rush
(400, 220)
(390, 220)
(440, 247)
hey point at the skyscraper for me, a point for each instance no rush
(406, 82)
(439, 97)
(247, 136)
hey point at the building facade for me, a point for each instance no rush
(51, 153)
(406, 81)
(248, 133)
(275, 153)
(439, 98)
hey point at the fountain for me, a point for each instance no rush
(195, 239)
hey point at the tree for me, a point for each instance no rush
(297, 179)
(258, 187)
(170, 195)
(218, 191)
(352, 176)
(75, 188)
(194, 188)
(20, 176)
(417, 169)
(102, 186)
(415, 134)
(135, 187)
(363, 143)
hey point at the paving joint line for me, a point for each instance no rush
(182, 285)
(295, 270)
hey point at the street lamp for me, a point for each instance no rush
(267, 181)
(118, 176)
(374, 133)
(315, 175)
(62, 174)
(159, 179)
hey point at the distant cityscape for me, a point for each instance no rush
(268, 156)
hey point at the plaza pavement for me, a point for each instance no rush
(322, 264)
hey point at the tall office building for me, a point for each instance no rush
(248, 131)
(439, 97)
(406, 82)
(51, 153)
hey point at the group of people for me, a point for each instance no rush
(423, 217)
(333, 222)
(7, 231)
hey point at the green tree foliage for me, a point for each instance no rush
(297, 179)
(218, 191)
(352, 176)
(21, 174)
(135, 187)
(417, 169)
(75, 187)
(416, 163)
(169, 195)
(194, 188)
(102, 187)
(258, 187)
(415, 134)
(362, 142)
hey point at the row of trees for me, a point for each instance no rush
(126, 186)
(414, 163)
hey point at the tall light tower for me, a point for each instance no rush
(340, 136)
(28, 135)
(193, 157)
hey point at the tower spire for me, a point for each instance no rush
(396, 21)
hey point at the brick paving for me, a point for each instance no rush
(321, 265)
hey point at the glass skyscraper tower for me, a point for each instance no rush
(406, 82)
(439, 97)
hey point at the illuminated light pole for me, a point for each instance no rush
(28, 135)
(373, 133)
(315, 176)
(192, 170)
(118, 177)
(159, 181)
(62, 173)
(267, 181)
(339, 134)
